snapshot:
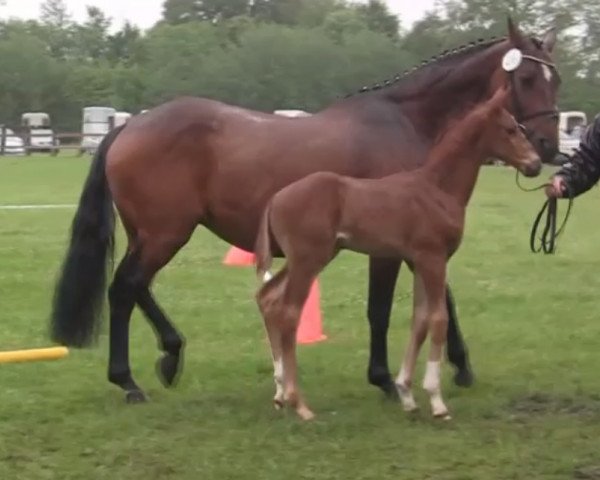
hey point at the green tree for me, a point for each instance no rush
(379, 19)
(91, 37)
(181, 11)
(125, 45)
(56, 31)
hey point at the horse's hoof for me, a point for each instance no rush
(278, 404)
(134, 397)
(464, 378)
(390, 391)
(168, 369)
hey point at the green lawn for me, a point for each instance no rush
(532, 324)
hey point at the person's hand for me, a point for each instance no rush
(557, 187)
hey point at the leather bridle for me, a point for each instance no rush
(518, 110)
(550, 232)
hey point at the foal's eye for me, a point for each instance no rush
(511, 130)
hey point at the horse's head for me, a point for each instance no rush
(502, 137)
(528, 67)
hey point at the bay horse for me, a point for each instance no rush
(416, 216)
(196, 161)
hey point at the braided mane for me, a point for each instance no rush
(446, 55)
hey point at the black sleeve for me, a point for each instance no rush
(582, 171)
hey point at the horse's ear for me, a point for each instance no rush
(549, 40)
(514, 34)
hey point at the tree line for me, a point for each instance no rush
(263, 54)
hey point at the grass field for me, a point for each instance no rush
(532, 324)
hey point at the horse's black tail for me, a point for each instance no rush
(80, 290)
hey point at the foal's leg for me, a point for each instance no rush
(404, 380)
(383, 274)
(296, 292)
(433, 274)
(457, 349)
(269, 299)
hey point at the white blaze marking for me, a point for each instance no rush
(547, 72)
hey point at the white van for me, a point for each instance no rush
(40, 134)
(97, 122)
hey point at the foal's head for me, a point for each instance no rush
(502, 137)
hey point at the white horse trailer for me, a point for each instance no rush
(571, 125)
(40, 135)
(97, 122)
(121, 118)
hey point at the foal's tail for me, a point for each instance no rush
(262, 248)
(79, 292)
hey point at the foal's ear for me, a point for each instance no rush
(514, 34)
(499, 99)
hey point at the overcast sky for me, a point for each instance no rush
(146, 12)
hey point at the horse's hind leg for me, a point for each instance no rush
(157, 251)
(121, 295)
(131, 285)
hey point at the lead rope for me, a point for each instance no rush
(549, 234)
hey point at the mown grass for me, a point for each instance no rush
(531, 323)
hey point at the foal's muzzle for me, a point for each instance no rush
(532, 167)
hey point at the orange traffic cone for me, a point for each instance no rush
(310, 329)
(238, 257)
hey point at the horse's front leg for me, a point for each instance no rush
(383, 274)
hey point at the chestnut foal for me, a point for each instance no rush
(416, 216)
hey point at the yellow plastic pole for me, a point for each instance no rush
(34, 354)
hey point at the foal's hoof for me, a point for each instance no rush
(134, 397)
(464, 378)
(168, 369)
(443, 416)
(278, 404)
(305, 413)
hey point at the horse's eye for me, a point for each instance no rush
(511, 130)
(528, 81)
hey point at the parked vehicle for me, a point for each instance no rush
(121, 118)
(40, 136)
(571, 125)
(13, 144)
(97, 122)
